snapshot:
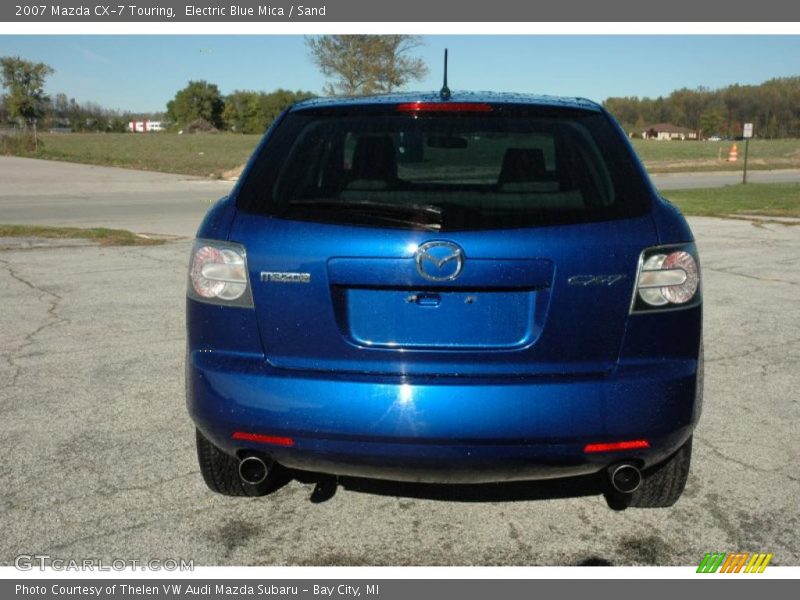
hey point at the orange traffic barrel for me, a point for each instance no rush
(733, 154)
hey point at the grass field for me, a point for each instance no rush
(100, 235)
(767, 199)
(206, 155)
(220, 155)
(674, 156)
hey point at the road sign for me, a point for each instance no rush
(747, 133)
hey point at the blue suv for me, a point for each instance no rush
(482, 288)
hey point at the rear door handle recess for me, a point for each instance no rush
(425, 299)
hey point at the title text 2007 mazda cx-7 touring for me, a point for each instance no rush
(482, 288)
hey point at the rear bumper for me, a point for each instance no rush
(446, 430)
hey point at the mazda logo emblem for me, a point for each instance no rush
(439, 261)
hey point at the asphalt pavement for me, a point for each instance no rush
(39, 192)
(710, 179)
(98, 450)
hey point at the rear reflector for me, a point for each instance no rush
(444, 107)
(263, 439)
(616, 446)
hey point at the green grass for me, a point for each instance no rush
(768, 199)
(207, 155)
(212, 155)
(676, 156)
(101, 235)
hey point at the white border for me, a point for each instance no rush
(444, 28)
(267, 575)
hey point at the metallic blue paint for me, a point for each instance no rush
(497, 98)
(368, 382)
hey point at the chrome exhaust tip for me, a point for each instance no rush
(625, 478)
(253, 470)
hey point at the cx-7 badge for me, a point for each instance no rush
(587, 280)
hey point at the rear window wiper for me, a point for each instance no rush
(395, 207)
(385, 211)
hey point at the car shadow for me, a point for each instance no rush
(571, 487)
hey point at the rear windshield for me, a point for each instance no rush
(446, 172)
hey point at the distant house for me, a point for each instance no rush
(668, 131)
(145, 126)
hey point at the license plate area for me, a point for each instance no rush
(439, 319)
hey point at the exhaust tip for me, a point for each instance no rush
(625, 478)
(253, 470)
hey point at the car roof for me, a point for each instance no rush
(456, 96)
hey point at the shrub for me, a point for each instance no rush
(200, 126)
(19, 143)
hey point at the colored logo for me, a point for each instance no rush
(737, 562)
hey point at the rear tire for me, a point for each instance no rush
(663, 484)
(221, 471)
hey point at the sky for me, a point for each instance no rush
(142, 73)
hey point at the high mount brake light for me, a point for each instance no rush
(668, 277)
(448, 107)
(218, 274)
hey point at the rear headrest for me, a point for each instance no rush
(374, 158)
(522, 164)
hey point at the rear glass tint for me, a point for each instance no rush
(446, 171)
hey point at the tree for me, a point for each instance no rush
(711, 122)
(60, 106)
(252, 112)
(199, 100)
(396, 66)
(366, 64)
(241, 111)
(25, 99)
(274, 103)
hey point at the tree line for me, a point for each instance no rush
(60, 111)
(200, 106)
(353, 65)
(368, 64)
(773, 107)
(25, 102)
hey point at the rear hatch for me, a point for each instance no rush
(409, 240)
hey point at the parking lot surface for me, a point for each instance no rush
(98, 450)
(45, 192)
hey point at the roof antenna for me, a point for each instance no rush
(444, 94)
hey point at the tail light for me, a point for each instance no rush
(218, 274)
(668, 278)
